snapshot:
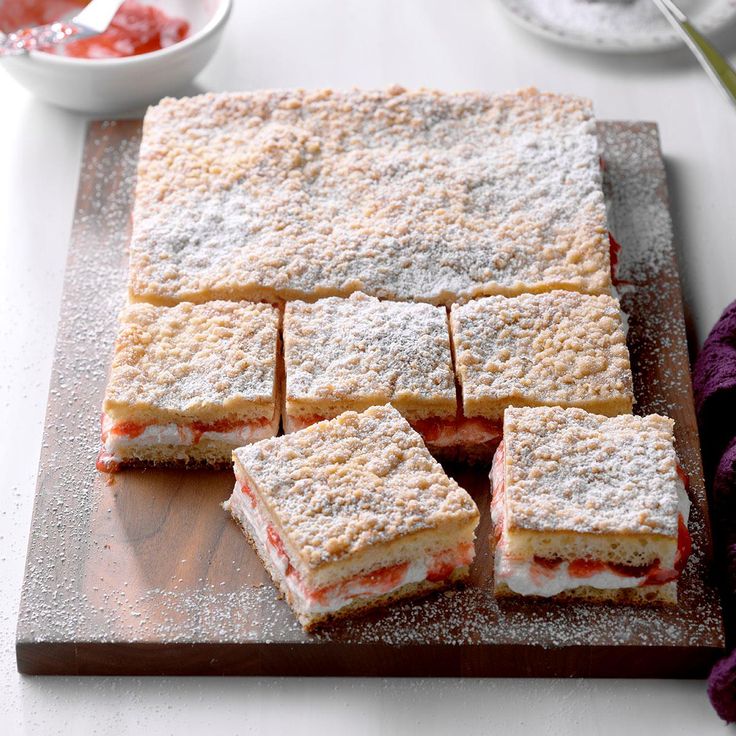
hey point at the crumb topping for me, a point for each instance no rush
(411, 196)
(568, 470)
(558, 347)
(194, 360)
(342, 350)
(356, 481)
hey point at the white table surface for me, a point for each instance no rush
(342, 43)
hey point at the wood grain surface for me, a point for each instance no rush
(144, 573)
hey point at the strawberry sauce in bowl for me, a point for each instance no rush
(137, 28)
(152, 49)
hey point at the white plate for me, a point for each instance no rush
(615, 25)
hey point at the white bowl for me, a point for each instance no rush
(104, 86)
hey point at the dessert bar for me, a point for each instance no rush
(555, 349)
(409, 196)
(190, 383)
(351, 514)
(350, 354)
(588, 507)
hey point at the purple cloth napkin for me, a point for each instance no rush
(714, 382)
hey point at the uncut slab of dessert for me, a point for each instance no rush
(331, 292)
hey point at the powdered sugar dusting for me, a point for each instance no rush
(67, 490)
(357, 352)
(194, 361)
(567, 470)
(556, 348)
(635, 185)
(418, 196)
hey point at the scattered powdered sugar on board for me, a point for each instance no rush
(152, 558)
(67, 489)
(635, 185)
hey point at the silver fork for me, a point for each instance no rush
(92, 20)
(714, 63)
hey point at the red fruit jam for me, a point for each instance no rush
(136, 28)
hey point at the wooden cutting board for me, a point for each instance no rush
(144, 573)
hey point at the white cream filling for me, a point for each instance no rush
(683, 501)
(467, 433)
(294, 424)
(526, 577)
(155, 435)
(241, 507)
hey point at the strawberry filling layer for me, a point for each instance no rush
(120, 440)
(434, 568)
(615, 254)
(460, 430)
(435, 431)
(546, 576)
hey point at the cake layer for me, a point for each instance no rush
(645, 595)
(554, 349)
(351, 354)
(207, 453)
(194, 363)
(355, 493)
(409, 196)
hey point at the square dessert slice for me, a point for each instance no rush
(350, 354)
(588, 507)
(409, 196)
(190, 383)
(351, 514)
(555, 349)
